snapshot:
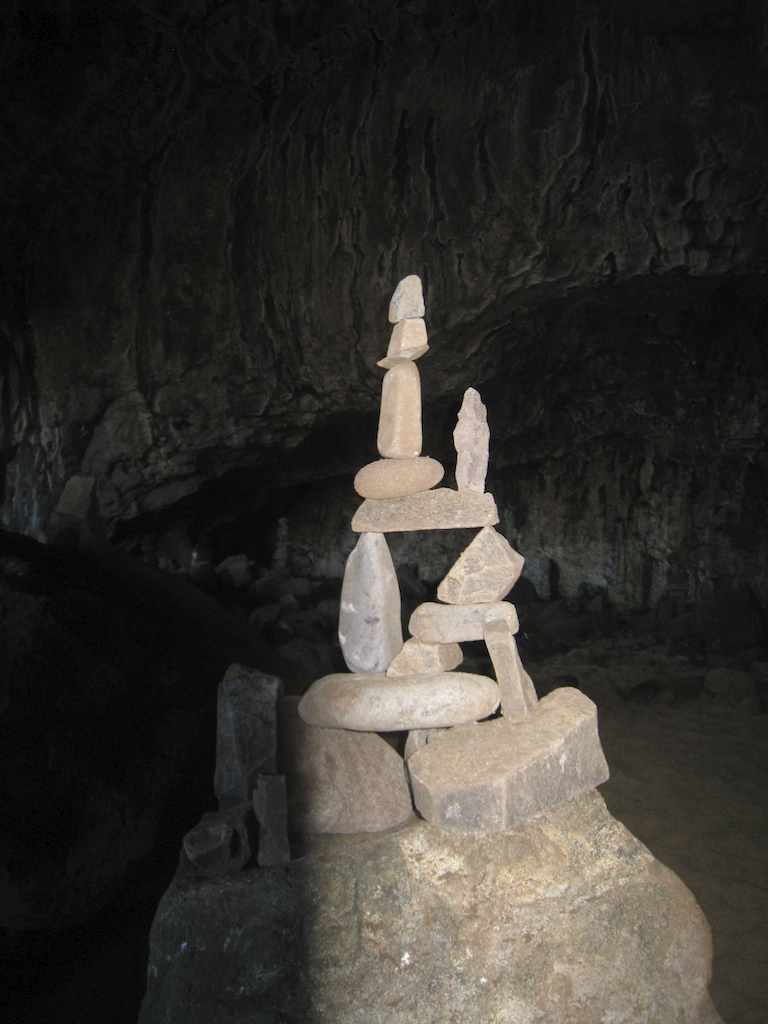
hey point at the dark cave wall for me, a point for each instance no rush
(209, 204)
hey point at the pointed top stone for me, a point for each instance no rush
(486, 570)
(407, 301)
(471, 439)
(408, 342)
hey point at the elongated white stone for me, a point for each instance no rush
(407, 301)
(374, 703)
(418, 659)
(455, 623)
(399, 434)
(370, 631)
(395, 478)
(486, 570)
(438, 509)
(471, 438)
(408, 341)
(518, 696)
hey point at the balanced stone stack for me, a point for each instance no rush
(467, 770)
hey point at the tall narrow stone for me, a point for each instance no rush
(370, 630)
(471, 438)
(518, 696)
(399, 434)
(407, 300)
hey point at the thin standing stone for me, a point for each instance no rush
(399, 434)
(438, 509)
(486, 570)
(408, 341)
(407, 301)
(270, 803)
(418, 659)
(370, 631)
(455, 623)
(471, 438)
(518, 696)
(395, 478)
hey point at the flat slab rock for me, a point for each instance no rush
(438, 509)
(497, 774)
(566, 919)
(377, 703)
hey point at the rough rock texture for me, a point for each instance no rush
(440, 509)
(486, 570)
(447, 623)
(518, 694)
(223, 842)
(566, 918)
(417, 658)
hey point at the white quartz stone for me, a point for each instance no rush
(407, 300)
(471, 438)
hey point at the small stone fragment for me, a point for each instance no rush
(518, 696)
(394, 478)
(438, 509)
(374, 703)
(486, 570)
(455, 623)
(246, 732)
(270, 804)
(370, 630)
(471, 438)
(418, 659)
(399, 435)
(340, 781)
(77, 498)
(493, 776)
(222, 842)
(407, 301)
(408, 341)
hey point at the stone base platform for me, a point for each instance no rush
(493, 775)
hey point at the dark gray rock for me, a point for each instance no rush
(223, 842)
(270, 803)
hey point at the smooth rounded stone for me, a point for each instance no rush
(566, 919)
(438, 509)
(408, 341)
(417, 659)
(486, 570)
(375, 703)
(454, 623)
(399, 435)
(370, 630)
(395, 478)
(471, 439)
(407, 300)
(340, 781)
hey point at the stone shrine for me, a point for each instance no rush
(482, 754)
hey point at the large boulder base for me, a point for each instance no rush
(566, 918)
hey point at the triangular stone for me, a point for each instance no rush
(417, 659)
(485, 571)
(370, 631)
(407, 301)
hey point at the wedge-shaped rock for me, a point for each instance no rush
(370, 631)
(518, 696)
(375, 703)
(340, 781)
(418, 659)
(408, 341)
(399, 435)
(223, 841)
(485, 571)
(471, 438)
(455, 623)
(491, 777)
(440, 509)
(394, 478)
(407, 301)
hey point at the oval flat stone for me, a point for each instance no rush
(374, 703)
(394, 478)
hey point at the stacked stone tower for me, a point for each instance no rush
(467, 770)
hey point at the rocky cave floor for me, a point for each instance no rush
(683, 729)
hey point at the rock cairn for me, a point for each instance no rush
(465, 773)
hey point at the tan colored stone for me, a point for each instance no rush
(395, 478)
(493, 776)
(455, 623)
(407, 301)
(340, 781)
(399, 435)
(518, 695)
(418, 659)
(438, 509)
(408, 342)
(486, 570)
(370, 631)
(471, 438)
(374, 703)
